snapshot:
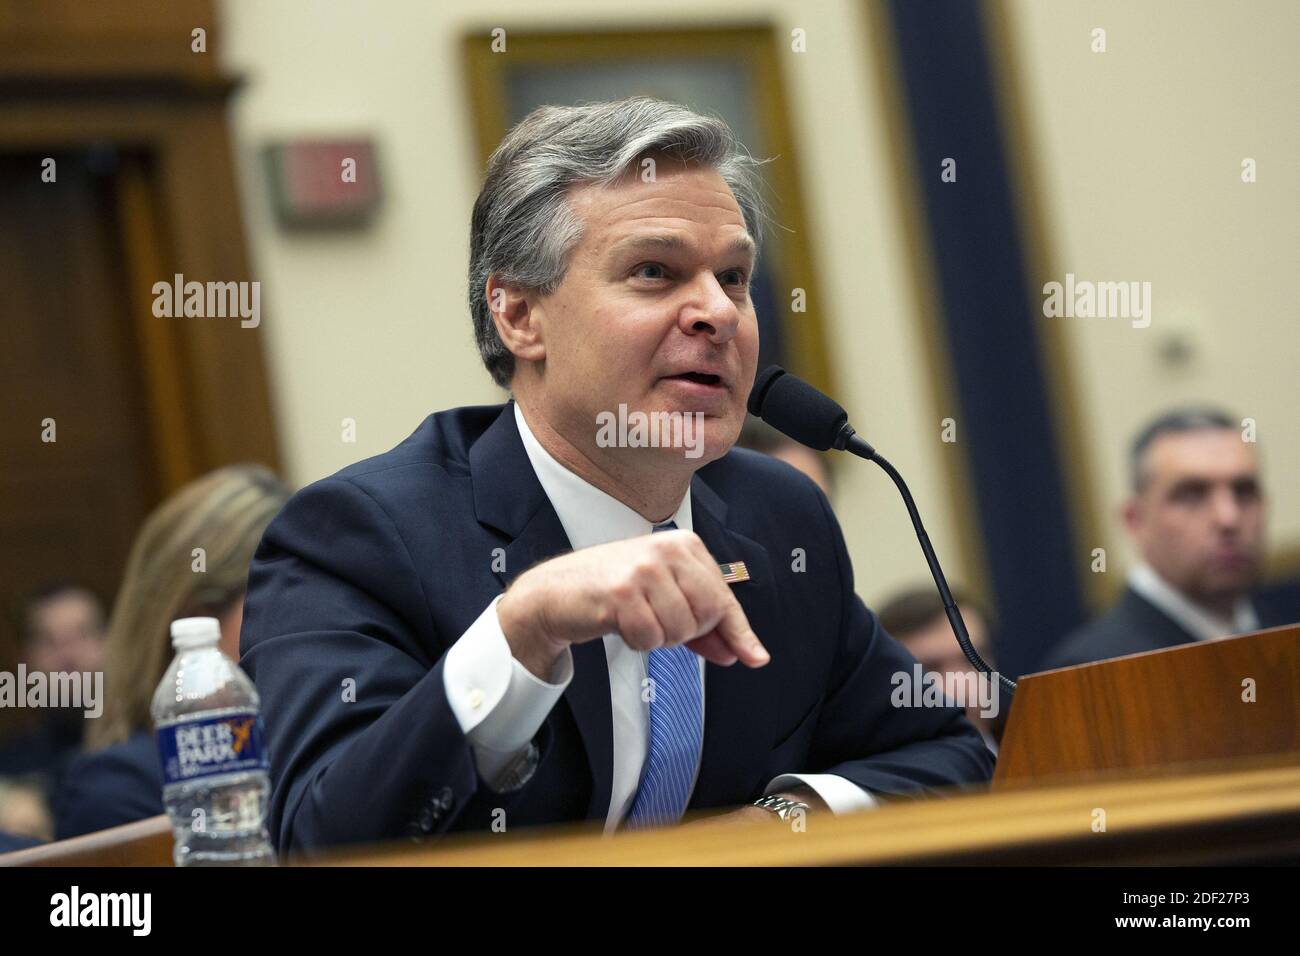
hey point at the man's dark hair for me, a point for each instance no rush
(913, 609)
(758, 435)
(1176, 422)
(523, 229)
(43, 594)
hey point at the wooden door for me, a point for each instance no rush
(77, 474)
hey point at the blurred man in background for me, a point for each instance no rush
(758, 435)
(61, 628)
(916, 618)
(62, 631)
(1197, 516)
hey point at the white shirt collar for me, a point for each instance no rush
(589, 515)
(1193, 618)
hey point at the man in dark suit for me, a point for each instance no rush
(109, 787)
(63, 631)
(619, 676)
(1197, 517)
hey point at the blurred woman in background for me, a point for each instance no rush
(119, 779)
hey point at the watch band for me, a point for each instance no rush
(781, 806)
(519, 771)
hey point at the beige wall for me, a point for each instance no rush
(373, 325)
(1139, 152)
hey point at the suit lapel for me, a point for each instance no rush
(740, 703)
(1159, 628)
(509, 498)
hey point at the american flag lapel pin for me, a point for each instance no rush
(734, 572)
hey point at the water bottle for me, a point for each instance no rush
(214, 766)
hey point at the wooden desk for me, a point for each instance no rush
(143, 843)
(1228, 812)
(1235, 811)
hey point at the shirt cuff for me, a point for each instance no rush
(841, 795)
(499, 703)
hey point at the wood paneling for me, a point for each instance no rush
(68, 508)
(146, 189)
(105, 38)
(1202, 701)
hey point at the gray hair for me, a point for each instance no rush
(1174, 422)
(523, 228)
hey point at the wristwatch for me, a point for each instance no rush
(782, 807)
(519, 771)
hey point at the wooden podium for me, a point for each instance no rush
(1162, 710)
(1193, 753)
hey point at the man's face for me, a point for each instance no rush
(1199, 520)
(807, 461)
(66, 634)
(935, 646)
(654, 312)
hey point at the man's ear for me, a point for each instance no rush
(516, 321)
(1131, 513)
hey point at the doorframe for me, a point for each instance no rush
(204, 379)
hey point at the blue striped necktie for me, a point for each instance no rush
(676, 734)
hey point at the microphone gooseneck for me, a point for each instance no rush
(795, 408)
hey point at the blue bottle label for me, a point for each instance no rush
(208, 746)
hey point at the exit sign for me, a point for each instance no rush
(318, 182)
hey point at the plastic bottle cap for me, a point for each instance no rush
(190, 632)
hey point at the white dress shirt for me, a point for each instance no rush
(501, 705)
(1191, 617)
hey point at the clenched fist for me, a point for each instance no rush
(659, 590)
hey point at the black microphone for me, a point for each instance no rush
(795, 408)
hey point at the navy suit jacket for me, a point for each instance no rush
(105, 788)
(365, 579)
(1135, 625)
